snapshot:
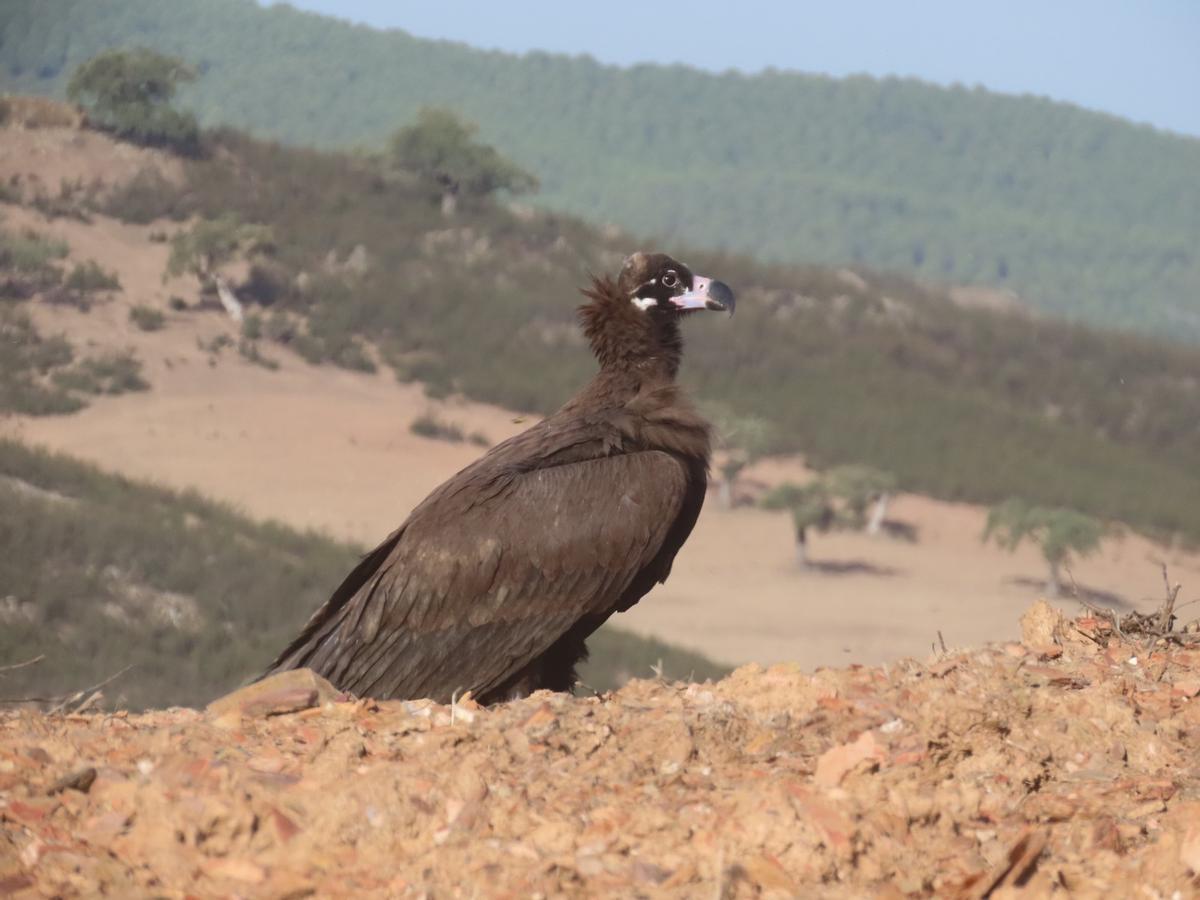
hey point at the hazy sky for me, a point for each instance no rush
(1136, 58)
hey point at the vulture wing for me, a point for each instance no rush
(487, 574)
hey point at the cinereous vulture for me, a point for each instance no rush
(495, 581)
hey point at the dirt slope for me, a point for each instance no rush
(1065, 765)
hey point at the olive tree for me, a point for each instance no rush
(861, 488)
(1059, 533)
(740, 441)
(129, 93)
(212, 243)
(810, 507)
(441, 148)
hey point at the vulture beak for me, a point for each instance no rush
(706, 294)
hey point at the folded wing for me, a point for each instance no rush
(484, 577)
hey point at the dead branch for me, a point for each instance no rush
(1150, 627)
(66, 700)
(21, 665)
(1166, 614)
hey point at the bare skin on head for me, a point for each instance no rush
(495, 580)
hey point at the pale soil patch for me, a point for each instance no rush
(323, 448)
(45, 157)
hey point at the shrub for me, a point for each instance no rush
(252, 327)
(72, 201)
(27, 264)
(352, 354)
(89, 277)
(250, 352)
(115, 372)
(27, 358)
(29, 252)
(429, 425)
(268, 283)
(147, 318)
(280, 328)
(149, 195)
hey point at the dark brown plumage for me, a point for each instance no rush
(494, 582)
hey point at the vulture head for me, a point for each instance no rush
(633, 322)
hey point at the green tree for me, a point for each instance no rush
(1060, 533)
(129, 93)
(741, 439)
(810, 506)
(212, 243)
(860, 488)
(441, 148)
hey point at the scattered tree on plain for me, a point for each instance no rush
(860, 487)
(810, 506)
(212, 243)
(741, 440)
(1060, 533)
(441, 148)
(837, 500)
(129, 93)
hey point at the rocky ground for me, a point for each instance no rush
(1065, 764)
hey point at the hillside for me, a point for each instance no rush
(184, 597)
(1060, 766)
(1081, 214)
(959, 401)
(335, 449)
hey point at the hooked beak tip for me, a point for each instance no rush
(720, 297)
(706, 294)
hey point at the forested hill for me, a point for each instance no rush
(1081, 213)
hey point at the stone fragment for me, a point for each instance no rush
(837, 762)
(284, 692)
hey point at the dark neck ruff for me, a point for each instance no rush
(639, 354)
(646, 345)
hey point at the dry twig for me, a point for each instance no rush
(86, 694)
(1156, 626)
(21, 665)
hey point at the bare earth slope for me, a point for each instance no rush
(1064, 765)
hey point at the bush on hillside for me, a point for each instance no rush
(429, 425)
(441, 148)
(147, 318)
(26, 361)
(89, 278)
(129, 92)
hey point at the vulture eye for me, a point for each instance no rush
(670, 279)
